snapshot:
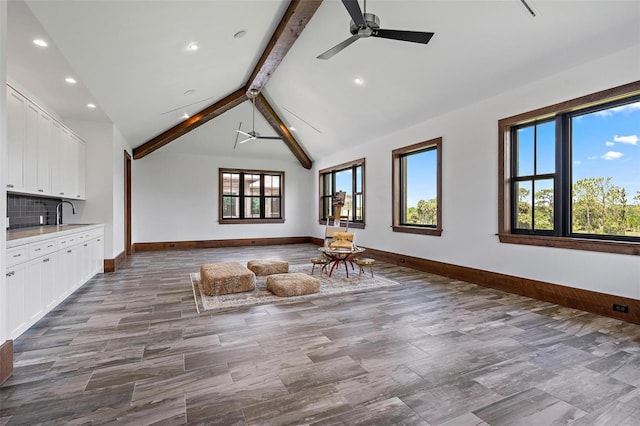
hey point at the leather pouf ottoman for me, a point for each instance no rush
(294, 284)
(226, 277)
(268, 267)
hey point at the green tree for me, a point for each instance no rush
(524, 209)
(544, 209)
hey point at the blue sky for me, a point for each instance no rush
(421, 177)
(607, 144)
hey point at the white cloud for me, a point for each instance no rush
(622, 108)
(593, 157)
(609, 143)
(631, 139)
(612, 155)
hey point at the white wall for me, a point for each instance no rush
(175, 198)
(120, 145)
(4, 334)
(470, 187)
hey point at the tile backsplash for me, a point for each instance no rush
(24, 211)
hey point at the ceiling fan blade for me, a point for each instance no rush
(355, 12)
(245, 133)
(338, 47)
(412, 36)
(237, 134)
(247, 140)
(269, 137)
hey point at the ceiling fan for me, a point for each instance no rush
(252, 135)
(365, 25)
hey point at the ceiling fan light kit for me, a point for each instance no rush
(365, 25)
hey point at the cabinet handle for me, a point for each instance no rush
(77, 196)
(9, 185)
(62, 193)
(85, 245)
(69, 251)
(10, 274)
(17, 255)
(50, 245)
(38, 249)
(45, 260)
(40, 190)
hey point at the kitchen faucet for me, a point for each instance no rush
(59, 211)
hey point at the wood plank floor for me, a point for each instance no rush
(129, 348)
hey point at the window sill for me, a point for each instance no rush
(617, 247)
(248, 221)
(417, 230)
(354, 225)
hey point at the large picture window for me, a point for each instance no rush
(571, 174)
(251, 196)
(417, 199)
(348, 177)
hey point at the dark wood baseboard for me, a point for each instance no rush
(575, 298)
(112, 265)
(6, 360)
(183, 245)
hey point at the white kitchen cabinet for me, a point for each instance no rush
(16, 134)
(16, 299)
(44, 154)
(42, 273)
(44, 157)
(30, 152)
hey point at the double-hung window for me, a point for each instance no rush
(248, 196)
(348, 177)
(570, 174)
(417, 195)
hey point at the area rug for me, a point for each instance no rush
(338, 283)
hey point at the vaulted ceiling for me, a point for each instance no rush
(131, 59)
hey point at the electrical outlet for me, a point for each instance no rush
(621, 308)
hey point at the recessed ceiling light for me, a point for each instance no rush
(293, 129)
(40, 42)
(185, 116)
(193, 47)
(91, 105)
(358, 81)
(240, 34)
(70, 80)
(190, 92)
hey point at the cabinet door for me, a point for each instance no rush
(35, 302)
(16, 299)
(44, 153)
(16, 133)
(30, 153)
(57, 186)
(81, 169)
(66, 271)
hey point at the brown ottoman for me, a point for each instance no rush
(268, 267)
(226, 277)
(294, 284)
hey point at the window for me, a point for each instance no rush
(570, 174)
(348, 177)
(251, 196)
(417, 195)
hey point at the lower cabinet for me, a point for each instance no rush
(57, 267)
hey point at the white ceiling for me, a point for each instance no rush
(131, 60)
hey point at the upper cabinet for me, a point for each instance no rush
(45, 157)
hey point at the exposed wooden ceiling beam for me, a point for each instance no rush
(197, 120)
(290, 27)
(281, 129)
(295, 18)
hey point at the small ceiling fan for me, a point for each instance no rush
(365, 25)
(252, 135)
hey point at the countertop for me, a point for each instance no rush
(29, 235)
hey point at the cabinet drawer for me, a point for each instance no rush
(17, 255)
(40, 249)
(68, 241)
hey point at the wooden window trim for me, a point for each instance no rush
(239, 221)
(505, 234)
(337, 168)
(396, 190)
